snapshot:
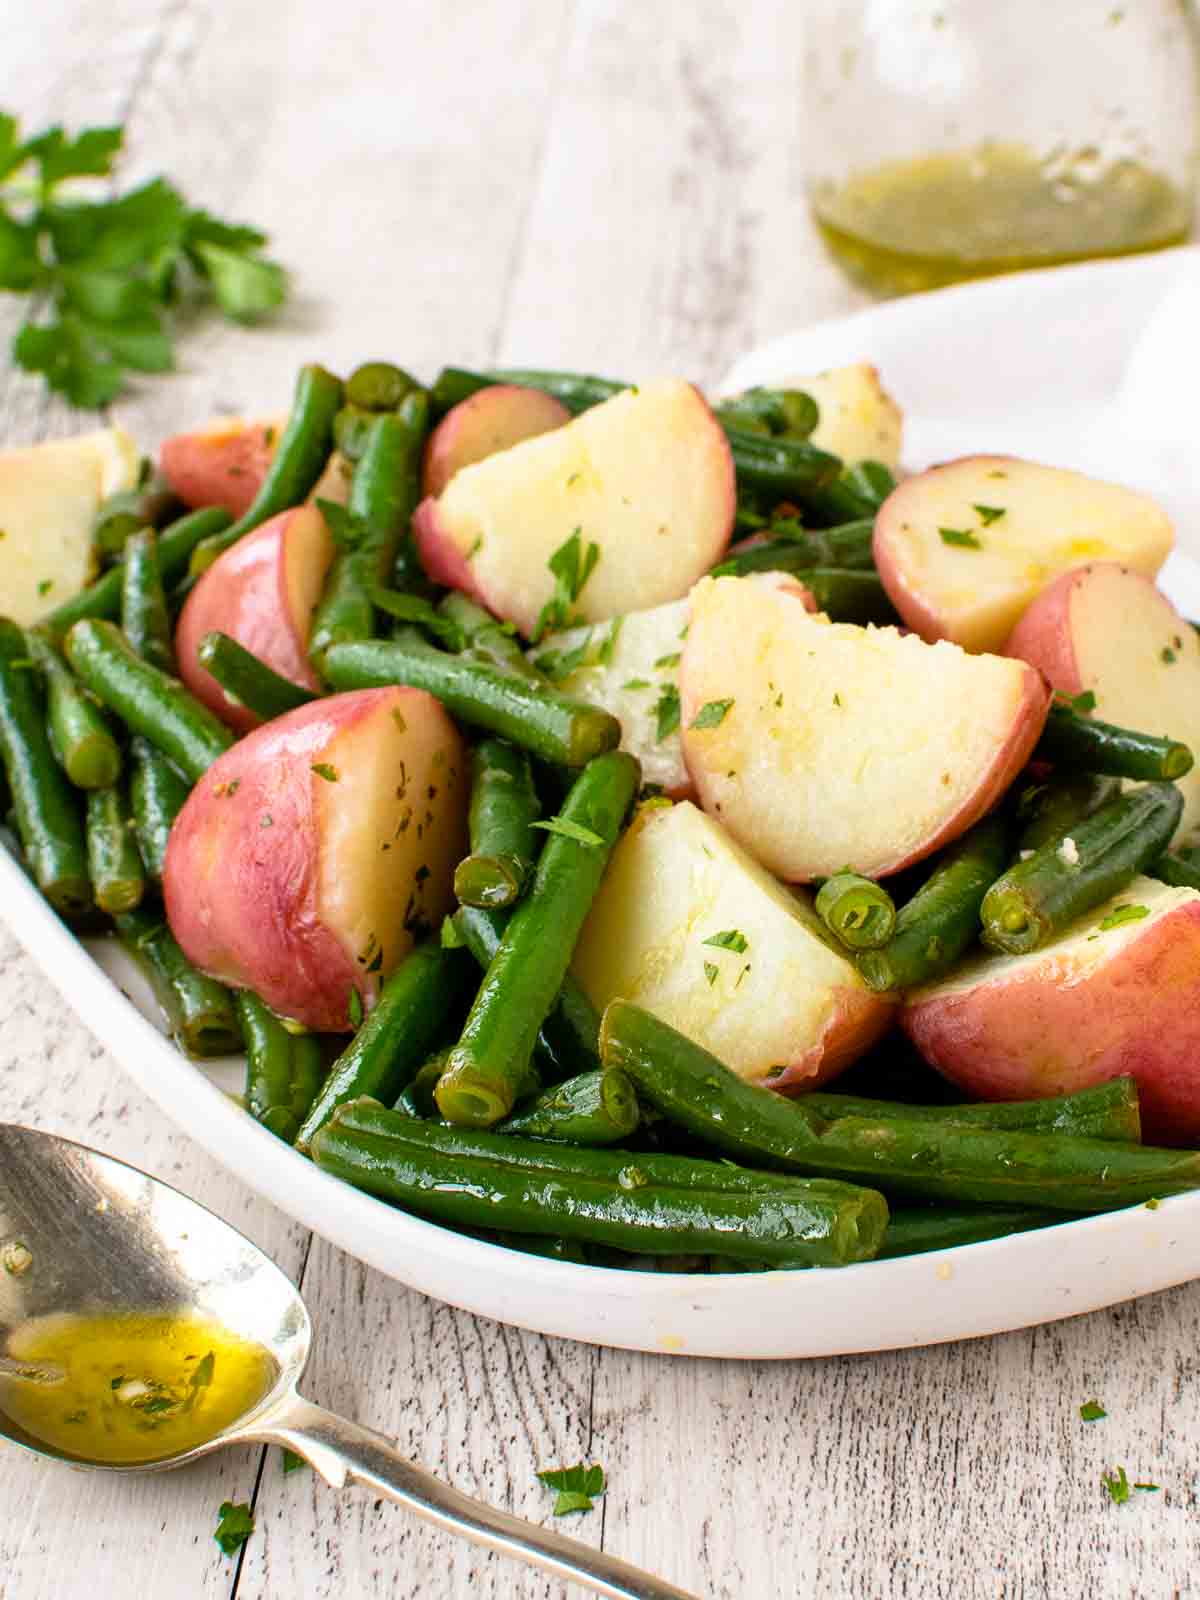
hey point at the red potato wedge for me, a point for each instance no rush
(482, 425)
(842, 745)
(1096, 1003)
(770, 997)
(49, 496)
(308, 857)
(647, 478)
(963, 548)
(222, 464)
(1110, 630)
(261, 592)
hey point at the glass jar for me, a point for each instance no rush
(952, 139)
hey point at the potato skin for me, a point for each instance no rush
(244, 867)
(1051, 1028)
(486, 422)
(221, 465)
(260, 592)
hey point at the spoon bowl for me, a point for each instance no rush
(83, 1235)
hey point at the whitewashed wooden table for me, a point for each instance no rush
(583, 183)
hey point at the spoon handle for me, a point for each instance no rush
(343, 1452)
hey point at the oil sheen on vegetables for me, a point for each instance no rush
(941, 219)
(123, 1388)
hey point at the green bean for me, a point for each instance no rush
(351, 429)
(857, 492)
(102, 599)
(379, 386)
(283, 1069)
(383, 494)
(659, 1206)
(156, 796)
(504, 807)
(1052, 809)
(856, 910)
(941, 920)
(198, 1010)
(847, 548)
(416, 1098)
(1104, 1111)
(850, 596)
(46, 807)
(144, 616)
(485, 1067)
(148, 701)
(487, 640)
(1174, 868)
(596, 1108)
(114, 865)
(1083, 744)
(925, 1159)
(296, 465)
(915, 1230)
(788, 412)
(248, 680)
(541, 720)
(411, 1013)
(1038, 897)
(79, 732)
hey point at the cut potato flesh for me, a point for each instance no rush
(963, 548)
(647, 478)
(840, 745)
(630, 667)
(49, 496)
(1110, 630)
(859, 420)
(1099, 1002)
(688, 926)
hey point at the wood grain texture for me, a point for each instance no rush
(614, 186)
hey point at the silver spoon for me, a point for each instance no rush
(82, 1233)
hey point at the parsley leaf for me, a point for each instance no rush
(235, 1524)
(578, 1487)
(605, 653)
(451, 938)
(712, 972)
(671, 660)
(571, 566)
(962, 537)
(324, 770)
(1121, 915)
(988, 514)
(558, 665)
(345, 528)
(1092, 1411)
(411, 608)
(108, 273)
(666, 712)
(1079, 703)
(354, 1008)
(566, 829)
(711, 715)
(731, 939)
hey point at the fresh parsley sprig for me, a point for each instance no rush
(105, 274)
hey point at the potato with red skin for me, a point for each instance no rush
(262, 592)
(646, 478)
(486, 422)
(223, 464)
(309, 855)
(1098, 1002)
(964, 547)
(688, 926)
(829, 745)
(1106, 629)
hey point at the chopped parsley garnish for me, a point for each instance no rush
(963, 537)
(671, 660)
(711, 972)
(1079, 703)
(725, 569)
(560, 664)
(636, 683)
(235, 1524)
(105, 274)
(988, 514)
(712, 714)
(324, 770)
(1092, 1411)
(604, 654)
(345, 529)
(1121, 915)
(1166, 655)
(731, 939)
(451, 938)
(666, 712)
(202, 1375)
(45, 586)
(354, 1008)
(578, 1487)
(566, 829)
(571, 566)
(411, 608)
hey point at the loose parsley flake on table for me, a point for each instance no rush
(235, 1524)
(578, 1487)
(1092, 1411)
(106, 274)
